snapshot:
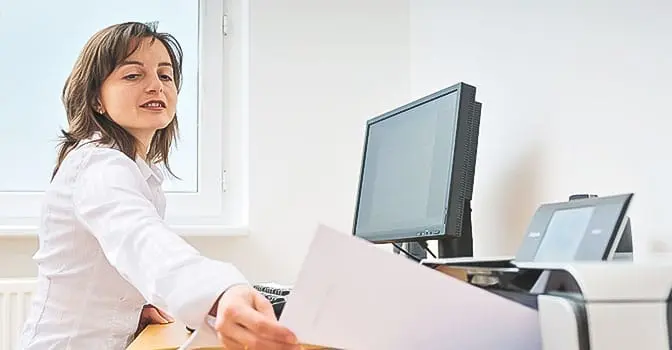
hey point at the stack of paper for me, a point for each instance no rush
(352, 295)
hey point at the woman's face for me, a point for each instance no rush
(140, 94)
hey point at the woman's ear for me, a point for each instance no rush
(98, 106)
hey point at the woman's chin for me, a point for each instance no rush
(148, 129)
(162, 126)
(160, 123)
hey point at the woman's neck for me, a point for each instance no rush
(141, 151)
(142, 144)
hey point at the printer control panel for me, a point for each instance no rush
(579, 230)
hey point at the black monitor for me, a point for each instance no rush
(417, 172)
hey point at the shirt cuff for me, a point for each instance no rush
(215, 278)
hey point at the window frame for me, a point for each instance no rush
(220, 205)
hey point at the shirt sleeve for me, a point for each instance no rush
(111, 199)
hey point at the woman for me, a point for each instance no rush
(105, 250)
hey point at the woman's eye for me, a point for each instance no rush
(166, 77)
(131, 76)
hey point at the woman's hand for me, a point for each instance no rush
(152, 315)
(245, 320)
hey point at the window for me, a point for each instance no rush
(39, 49)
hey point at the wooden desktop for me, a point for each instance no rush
(171, 336)
(160, 336)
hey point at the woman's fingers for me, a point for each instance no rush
(154, 316)
(165, 316)
(239, 337)
(263, 326)
(263, 305)
(231, 343)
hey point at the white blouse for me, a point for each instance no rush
(105, 251)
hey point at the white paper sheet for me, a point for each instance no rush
(353, 295)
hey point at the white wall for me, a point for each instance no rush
(575, 99)
(319, 69)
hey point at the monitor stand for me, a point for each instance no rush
(414, 248)
(458, 247)
(452, 247)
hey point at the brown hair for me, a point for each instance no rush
(97, 60)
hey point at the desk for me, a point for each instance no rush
(158, 336)
(170, 336)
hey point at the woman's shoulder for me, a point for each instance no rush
(90, 152)
(94, 156)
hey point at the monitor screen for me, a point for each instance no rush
(564, 234)
(406, 171)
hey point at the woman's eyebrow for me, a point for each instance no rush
(138, 63)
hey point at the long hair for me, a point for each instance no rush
(98, 59)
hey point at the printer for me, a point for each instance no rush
(595, 306)
(574, 267)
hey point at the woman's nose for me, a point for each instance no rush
(154, 84)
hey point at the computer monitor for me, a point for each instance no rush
(417, 172)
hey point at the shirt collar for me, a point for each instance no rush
(149, 170)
